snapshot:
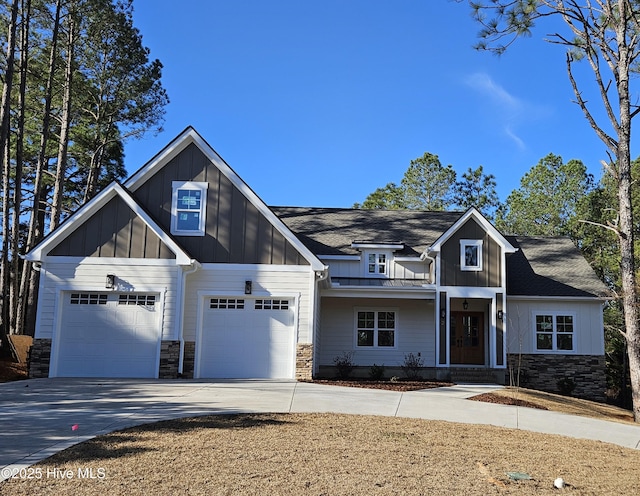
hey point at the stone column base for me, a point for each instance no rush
(304, 361)
(39, 358)
(189, 360)
(169, 359)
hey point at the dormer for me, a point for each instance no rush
(377, 258)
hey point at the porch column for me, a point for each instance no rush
(442, 312)
(500, 330)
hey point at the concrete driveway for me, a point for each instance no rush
(36, 416)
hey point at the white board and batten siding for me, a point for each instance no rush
(588, 325)
(398, 269)
(236, 334)
(101, 332)
(415, 331)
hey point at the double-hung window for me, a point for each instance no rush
(188, 208)
(377, 264)
(555, 332)
(376, 328)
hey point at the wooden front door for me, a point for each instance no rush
(467, 338)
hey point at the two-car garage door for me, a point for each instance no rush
(247, 338)
(108, 335)
(118, 335)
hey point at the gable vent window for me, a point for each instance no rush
(88, 299)
(272, 305)
(133, 299)
(188, 208)
(226, 303)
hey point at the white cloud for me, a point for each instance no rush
(507, 108)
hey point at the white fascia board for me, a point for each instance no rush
(348, 258)
(114, 261)
(93, 206)
(408, 259)
(487, 226)
(377, 246)
(189, 136)
(256, 267)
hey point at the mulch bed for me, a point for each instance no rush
(505, 400)
(401, 385)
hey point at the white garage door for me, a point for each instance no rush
(246, 338)
(108, 335)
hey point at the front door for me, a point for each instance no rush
(467, 338)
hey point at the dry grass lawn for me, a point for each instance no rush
(557, 403)
(327, 454)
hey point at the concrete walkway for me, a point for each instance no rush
(36, 416)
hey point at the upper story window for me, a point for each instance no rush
(554, 332)
(188, 208)
(471, 254)
(377, 264)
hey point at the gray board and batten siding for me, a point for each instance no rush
(491, 274)
(115, 231)
(235, 231)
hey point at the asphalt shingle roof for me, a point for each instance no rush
(550, 266)
(330, 231)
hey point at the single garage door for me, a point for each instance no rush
(246, 338)
(108, 335)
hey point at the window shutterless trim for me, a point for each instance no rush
(553, 330)
(467, 257)
(176, 209)
(376, 329)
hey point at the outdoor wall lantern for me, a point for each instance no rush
(465, 304)
(110, 282)
(500, 315)
(247, 287)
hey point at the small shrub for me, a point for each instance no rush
(566, 385)
(344, 364)
(376, 372)
(412, 366)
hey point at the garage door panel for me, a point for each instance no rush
(250, 340)
(108, 338)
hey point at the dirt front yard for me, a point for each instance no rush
(327, 454)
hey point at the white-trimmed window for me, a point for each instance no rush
(376, 264)
(471, 254)
(188, 208)
(376, 328)
(555, 332)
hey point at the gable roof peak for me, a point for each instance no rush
(38, 252)
(191, 137)
(474, 213)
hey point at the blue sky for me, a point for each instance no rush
(318, 103)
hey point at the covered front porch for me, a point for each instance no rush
(458, 339)
(471, 330)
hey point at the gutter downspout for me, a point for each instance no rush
(194, 265)
(432, 267)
